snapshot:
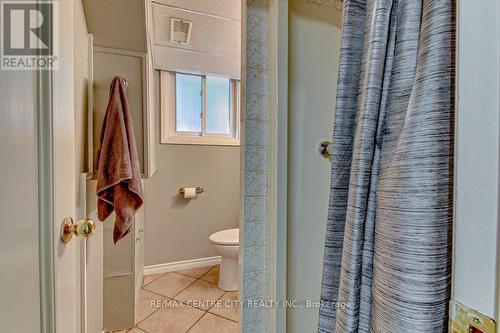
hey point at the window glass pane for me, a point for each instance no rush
(188, 103)
(218, 110)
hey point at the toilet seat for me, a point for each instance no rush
(226, 237)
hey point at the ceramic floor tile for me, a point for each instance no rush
(150, 278)
(228, 306)
(213, 324)
(170, 284)
(145, 308)
(135, 330)
(201, 294)
(195, 272)
(212, 275)
(171, 320)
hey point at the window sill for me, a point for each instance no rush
(200, 140)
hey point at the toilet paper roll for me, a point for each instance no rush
(189, 192)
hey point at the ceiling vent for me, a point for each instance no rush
(180, 31)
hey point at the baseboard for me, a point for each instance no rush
(181, 265)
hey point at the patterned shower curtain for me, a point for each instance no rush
(387, 263)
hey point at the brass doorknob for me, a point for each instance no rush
(324, 150)
(84, 228)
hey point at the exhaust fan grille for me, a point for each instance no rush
(180, 31)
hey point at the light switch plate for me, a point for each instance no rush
(465, 320)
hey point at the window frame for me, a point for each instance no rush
(169, 134)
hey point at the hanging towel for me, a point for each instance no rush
(119, 186)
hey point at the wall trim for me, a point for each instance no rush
(278, 157)
(181, 265)
(280, 162)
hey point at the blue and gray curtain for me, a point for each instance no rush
(387, 263)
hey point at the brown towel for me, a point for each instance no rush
(118, 177)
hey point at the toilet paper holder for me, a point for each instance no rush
(199, 190)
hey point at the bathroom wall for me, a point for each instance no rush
(314, 52)
(258, 188)
(117, 24)
(476, 269)
(215, 41)
(177, 229)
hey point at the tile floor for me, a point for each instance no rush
(186, 301)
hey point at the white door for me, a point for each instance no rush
(43, 279)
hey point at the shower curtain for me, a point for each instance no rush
(387, 263)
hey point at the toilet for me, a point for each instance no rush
(226, 244)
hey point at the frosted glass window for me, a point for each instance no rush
(188, 99)
(199, 109)
(218, 107)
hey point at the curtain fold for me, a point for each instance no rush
(387, 260)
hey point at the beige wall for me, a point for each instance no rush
(177, 229)
(117, 24)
